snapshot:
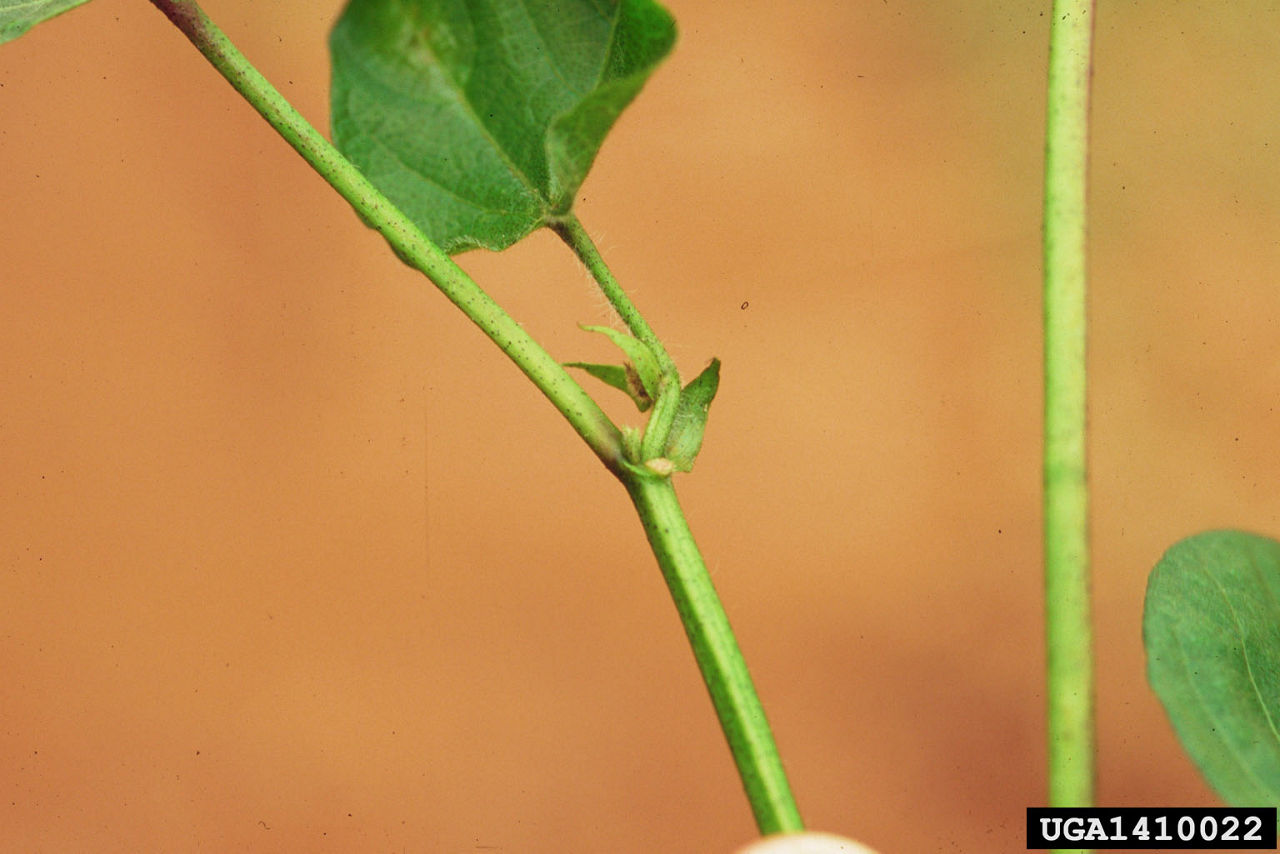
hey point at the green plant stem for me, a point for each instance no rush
(406, 239)
(1068, 623)
(716, 651)
(714, 646)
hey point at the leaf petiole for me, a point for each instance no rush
(667, 397)
(575, 236)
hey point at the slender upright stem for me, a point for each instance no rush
(716, 651)
(406, 239)
(1068, 629)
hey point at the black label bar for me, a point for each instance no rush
(1249, 829)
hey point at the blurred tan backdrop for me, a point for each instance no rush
(292, 560)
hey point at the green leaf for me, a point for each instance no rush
(480, 118)
(620, 377)
(641, 362)
(691, 417)
(1211, 627)
(18, 16)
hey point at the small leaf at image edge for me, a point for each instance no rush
(1211, 627)
(18, 16)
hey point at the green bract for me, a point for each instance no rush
(18, 16)
(691, 417)
(622, 377)
(1212, 632)
(641, 374)
(480, 118)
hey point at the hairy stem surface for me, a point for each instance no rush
(661, 418)
(570, 230)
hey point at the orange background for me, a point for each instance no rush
(291, 559)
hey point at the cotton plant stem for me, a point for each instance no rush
(1068, 622)
(406, 239)
(714, 648)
